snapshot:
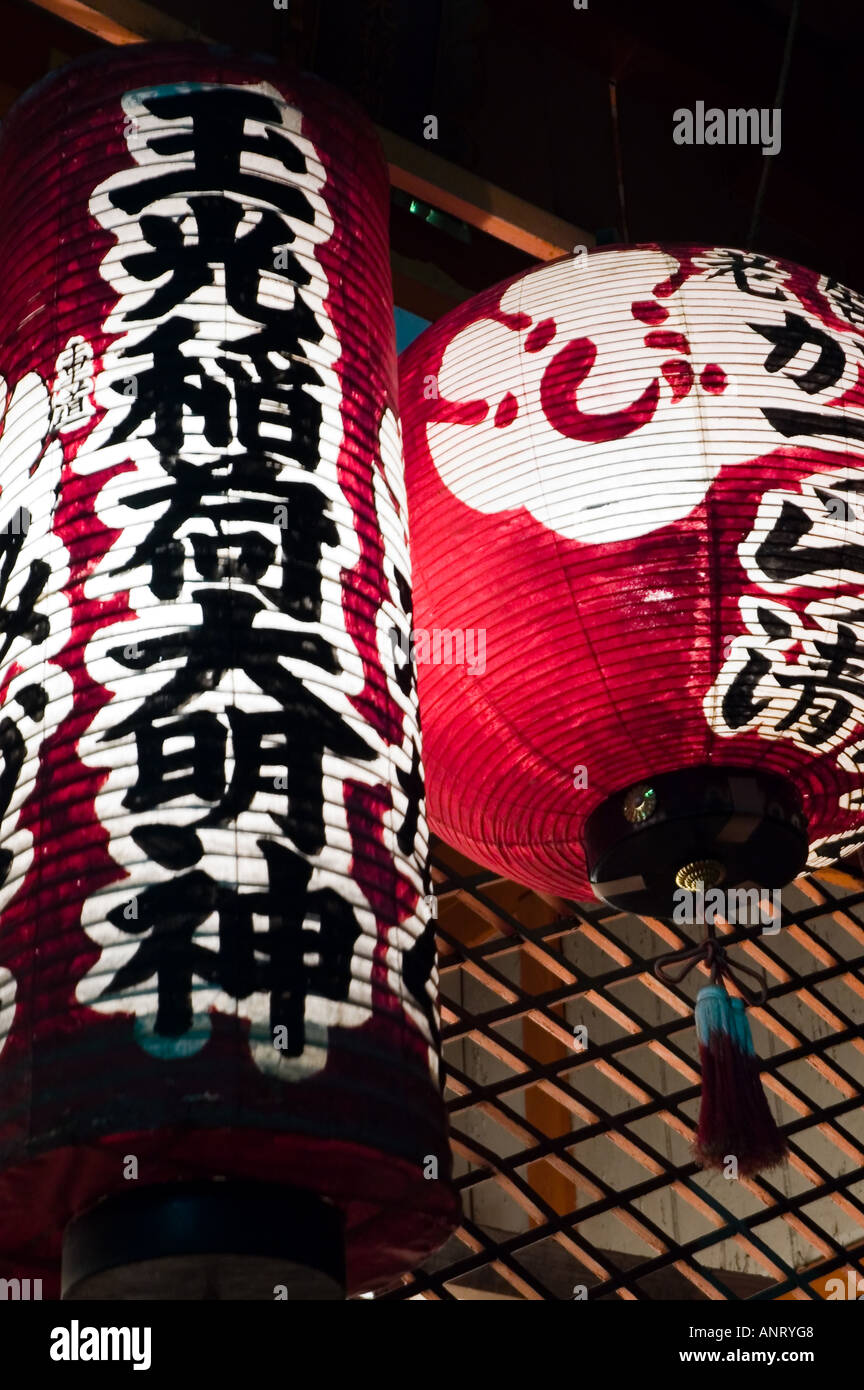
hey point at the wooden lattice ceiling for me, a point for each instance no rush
(574, 1160)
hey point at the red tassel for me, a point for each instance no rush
(734, 1118)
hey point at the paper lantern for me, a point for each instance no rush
(635, 486)
(216, 944)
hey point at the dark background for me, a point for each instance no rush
(521, 92)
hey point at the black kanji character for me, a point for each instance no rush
(835, 424)
(846, 302)
(304, 523)
(197, 769)
(788, 341)
(192, 264)
(171, 912)
(837, 672)
(163, 390)
(411, 784)
(304, 960)
(782, 559)
(739, 707)
(225, 641)
(23, 620)
(216, 142)
(271, 396)
(744, 269)
(306, 949)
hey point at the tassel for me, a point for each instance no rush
(734, 1118)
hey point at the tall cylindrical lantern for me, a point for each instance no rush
(636, 493)
(216, 942)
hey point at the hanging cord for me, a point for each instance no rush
(778, 100)
(672, 968)
(619, 167)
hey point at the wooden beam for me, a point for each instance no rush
(413, 169)
(481, 204)
(85, 17)
(120, 21)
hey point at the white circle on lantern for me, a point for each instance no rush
(614, 489)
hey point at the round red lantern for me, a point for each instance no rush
(216, 943)
(636, 492)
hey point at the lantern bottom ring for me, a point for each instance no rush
(745, 826)
(219, 1239)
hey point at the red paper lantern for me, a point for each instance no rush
(636, 493)
(216, 949)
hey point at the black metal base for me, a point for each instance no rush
(723, 827)
(206, 1240)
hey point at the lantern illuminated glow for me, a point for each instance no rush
(216, 950)
(638, 472)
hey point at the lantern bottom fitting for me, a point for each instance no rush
(642, 842)
(219, 1239)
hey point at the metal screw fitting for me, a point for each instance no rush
(701, 873)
